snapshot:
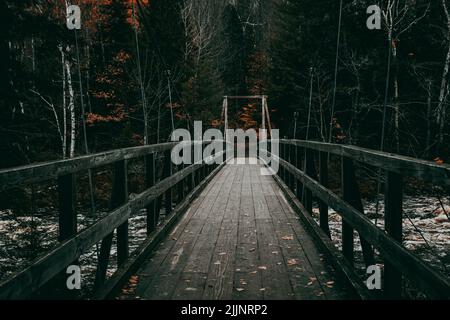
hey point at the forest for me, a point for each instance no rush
(137, 69)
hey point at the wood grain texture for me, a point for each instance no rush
(238, 241)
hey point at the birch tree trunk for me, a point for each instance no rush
(64, 106)
(396, 98)
(72, 111)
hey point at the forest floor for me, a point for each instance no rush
(426, 230)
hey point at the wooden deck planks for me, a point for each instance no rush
(239, 240)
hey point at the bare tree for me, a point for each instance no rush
(398, 18)
(443, 93)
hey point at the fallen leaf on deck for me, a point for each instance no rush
(262, 268)
(292, 262)
(190, 289)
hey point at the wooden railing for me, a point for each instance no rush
(301, 181)
(161, 177)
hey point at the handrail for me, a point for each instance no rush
(421, 169)
(33, 173)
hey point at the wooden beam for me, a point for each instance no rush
(406, 166)
(245, 97)
(34, 173)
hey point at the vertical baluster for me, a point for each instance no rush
(347, 191)
(283, 156)
(310, 171)
(167, 173)
(393, 226)
(299, 188)
(67, 212)
(353, 197)
(288, 159)
(323, 178)
(67, 227)
(150, 180)
(120, 197)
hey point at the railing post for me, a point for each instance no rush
(120, 197)
(352, 196)
(310, 171)
(150, 180)
(292, 160)
(299, 187)
(347, 191)
(67, 225)
(323, 179)
(180, 187)
(192, 177)
(167, 173)
(67, 212)
(393, 226)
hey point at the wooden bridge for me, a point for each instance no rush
(223, 231)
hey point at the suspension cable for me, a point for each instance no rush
(141, 83)
(308, 123)
(170, 100)
(383, 130)
(333, 105)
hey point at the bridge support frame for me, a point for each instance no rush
(393, 226)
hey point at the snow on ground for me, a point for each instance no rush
(426, 228)
(22, 239)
